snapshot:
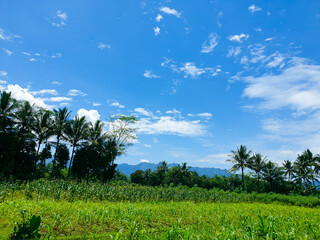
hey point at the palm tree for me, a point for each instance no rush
(288, 169)
(240, 158)
(61, 119)
(96, 132)
(24, 117)
(257, 163)
(43, 127)
(303, 167)
(162, 169)
(272, 173)
(76, 131)
(7, 106)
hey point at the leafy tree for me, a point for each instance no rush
(24, 118)
(257, 163)
(272, 174)
(96, 133)
(76, 133)
(61, 120)
(288, 169)
(43, 127)
(138, 177)
(240, 158)
(162, 169)
(7, 107)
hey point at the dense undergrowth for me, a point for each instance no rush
(73, 191)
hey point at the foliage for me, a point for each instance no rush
(27, 229)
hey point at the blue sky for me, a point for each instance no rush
(203, 77)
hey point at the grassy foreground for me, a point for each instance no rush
(165, 220)
(71, 210)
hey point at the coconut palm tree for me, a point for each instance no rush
(303, 167)
(24, 117)
(257, 163)
(75, 133)
(240, 158)
(288, 169)
(61, 119)
(96, 133)
(162, 169)
(7, 106)
(43, 127)
(272, 173)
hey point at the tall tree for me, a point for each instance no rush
(257, 163)
(24, 118)
(75, 133)
(7, 107)
(61, 120)
(240, 158)
(162, 169)
(43, 127)
(96, 133)
(288, 169)
(272, 174)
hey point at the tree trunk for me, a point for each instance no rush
(242, 177)
(71, 160)
(258, 182)
(55, 154)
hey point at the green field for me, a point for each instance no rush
(90, 216)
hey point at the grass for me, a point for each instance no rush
(134, 212)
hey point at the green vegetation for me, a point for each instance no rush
(70, 210)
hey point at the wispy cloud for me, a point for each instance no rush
(57, 55)
(96, 104)
(3, 73)
(253, 8)
(170, 11)
(76, 92)
(8, 52)
(116, 104)
(156, 31)
(210, 44)
(149, 74)
(143, 111)
(58, 99)
(45, 91)
(159, 18)
(56, 83)
(61, 18)
(102, 45)
(238, 38)
(7, 36)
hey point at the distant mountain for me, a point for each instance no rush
(210, 172)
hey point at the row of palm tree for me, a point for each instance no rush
(304, 171)
(51, 128)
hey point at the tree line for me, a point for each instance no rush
(300, 176)
(30, 135)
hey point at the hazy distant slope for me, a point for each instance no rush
(210, 172)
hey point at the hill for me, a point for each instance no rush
(210, 172)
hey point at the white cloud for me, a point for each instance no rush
(239, 38)
(62, 18)
(45, 91)
(190, 69)
(91, 115)
(268, 39)
(156, 31)
(23, 94)
(159, 18)
(147, 145)
(7, 36)
(142, 111)
(96, 104)
(278, 59)
(253, 8)
(103, 45)
(173, 111)
(8, 52)
(297, 87)
(57, 55)
(149, 74)
(116, 104)
(26, 53)
(144, 161)
(76, 92)
(170, 126)
(170, 11)
(155, 140)
(258, 29)
(206, 115)
(58, 99)
(3, 73)
(3, 82)
(234, 51)
(56, 83)
(210, 44)
(32, 60)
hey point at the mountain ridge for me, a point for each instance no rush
(127, 169)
